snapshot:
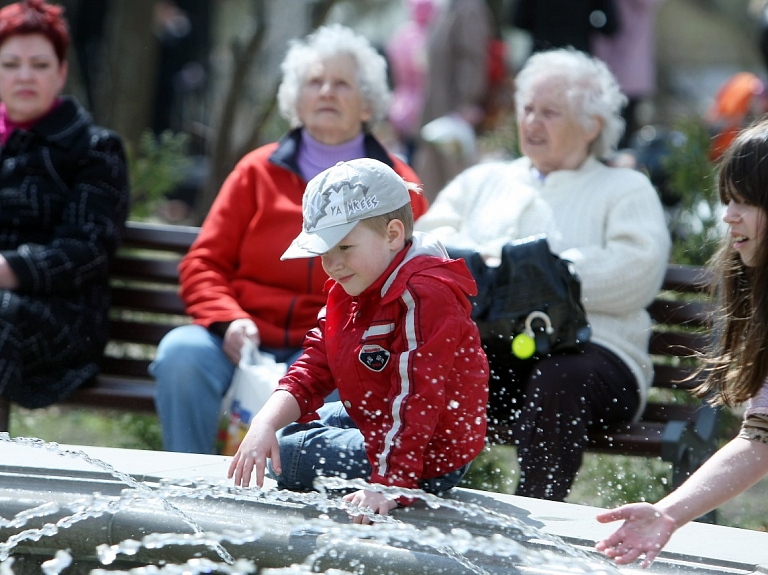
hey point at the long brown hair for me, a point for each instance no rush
(739, 365)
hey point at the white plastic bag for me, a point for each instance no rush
(254, 381)
(453, 135)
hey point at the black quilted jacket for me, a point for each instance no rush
(63, 204)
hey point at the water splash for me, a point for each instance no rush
(49, 529)
(21, 518)
(505, 522)
(193, 566)
(334, 538)
(54, 566)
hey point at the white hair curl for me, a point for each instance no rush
(591, 90)
(326, 42)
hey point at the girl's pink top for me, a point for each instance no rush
(759, 403)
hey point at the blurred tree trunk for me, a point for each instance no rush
(229, 143)
(124, 94)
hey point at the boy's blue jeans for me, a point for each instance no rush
(333, 446)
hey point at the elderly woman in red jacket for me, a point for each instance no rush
(233, 283)
(63, 204)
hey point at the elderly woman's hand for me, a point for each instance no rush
(235, 336)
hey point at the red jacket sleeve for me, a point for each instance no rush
(309, 378)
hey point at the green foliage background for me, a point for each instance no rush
(155, 167)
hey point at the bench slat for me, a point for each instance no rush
(673, 312)
(134, 369)
(641, 438)
(675, 377)
(147, 300)
(159, 237)
(662, 413)
(131, 267)
(138, 332)
(631, 439)
(116, 393)
(678, 344)
(686, 279)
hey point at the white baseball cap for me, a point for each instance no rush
(338, 198)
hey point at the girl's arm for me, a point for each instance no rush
(260, 443)
(732, 470)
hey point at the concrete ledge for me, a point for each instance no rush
(696, 547)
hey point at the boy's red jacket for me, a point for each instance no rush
(233, 269)
(408, 364)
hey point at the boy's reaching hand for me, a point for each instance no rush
(259, 444)
(645, 532)
(371, 500)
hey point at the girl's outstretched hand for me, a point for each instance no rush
(645, 532)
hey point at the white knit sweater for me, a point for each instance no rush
(608, 221)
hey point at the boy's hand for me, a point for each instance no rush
(259, 444)
(372, 500)
(645, 532)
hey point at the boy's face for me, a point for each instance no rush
(361, 257)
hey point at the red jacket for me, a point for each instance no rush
(233, 269)
(408, 364)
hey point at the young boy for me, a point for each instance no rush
(395, 339)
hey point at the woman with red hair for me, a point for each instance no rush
(63, 205)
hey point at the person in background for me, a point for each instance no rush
(631, 56)
(737, 371)
(235, 287)
(63, 207)
(395, 339)
(457, 85)
(608, 221)
(564, 23)
(739, 101)
(407, 55)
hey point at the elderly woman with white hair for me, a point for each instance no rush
(233, 283)
(608, 221)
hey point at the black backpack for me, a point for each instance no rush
(532, 300)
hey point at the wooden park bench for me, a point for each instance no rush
(146, 305)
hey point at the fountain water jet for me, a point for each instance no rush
(172, 512)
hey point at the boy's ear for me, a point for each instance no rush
(396, 235)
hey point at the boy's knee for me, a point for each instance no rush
(297, 472)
